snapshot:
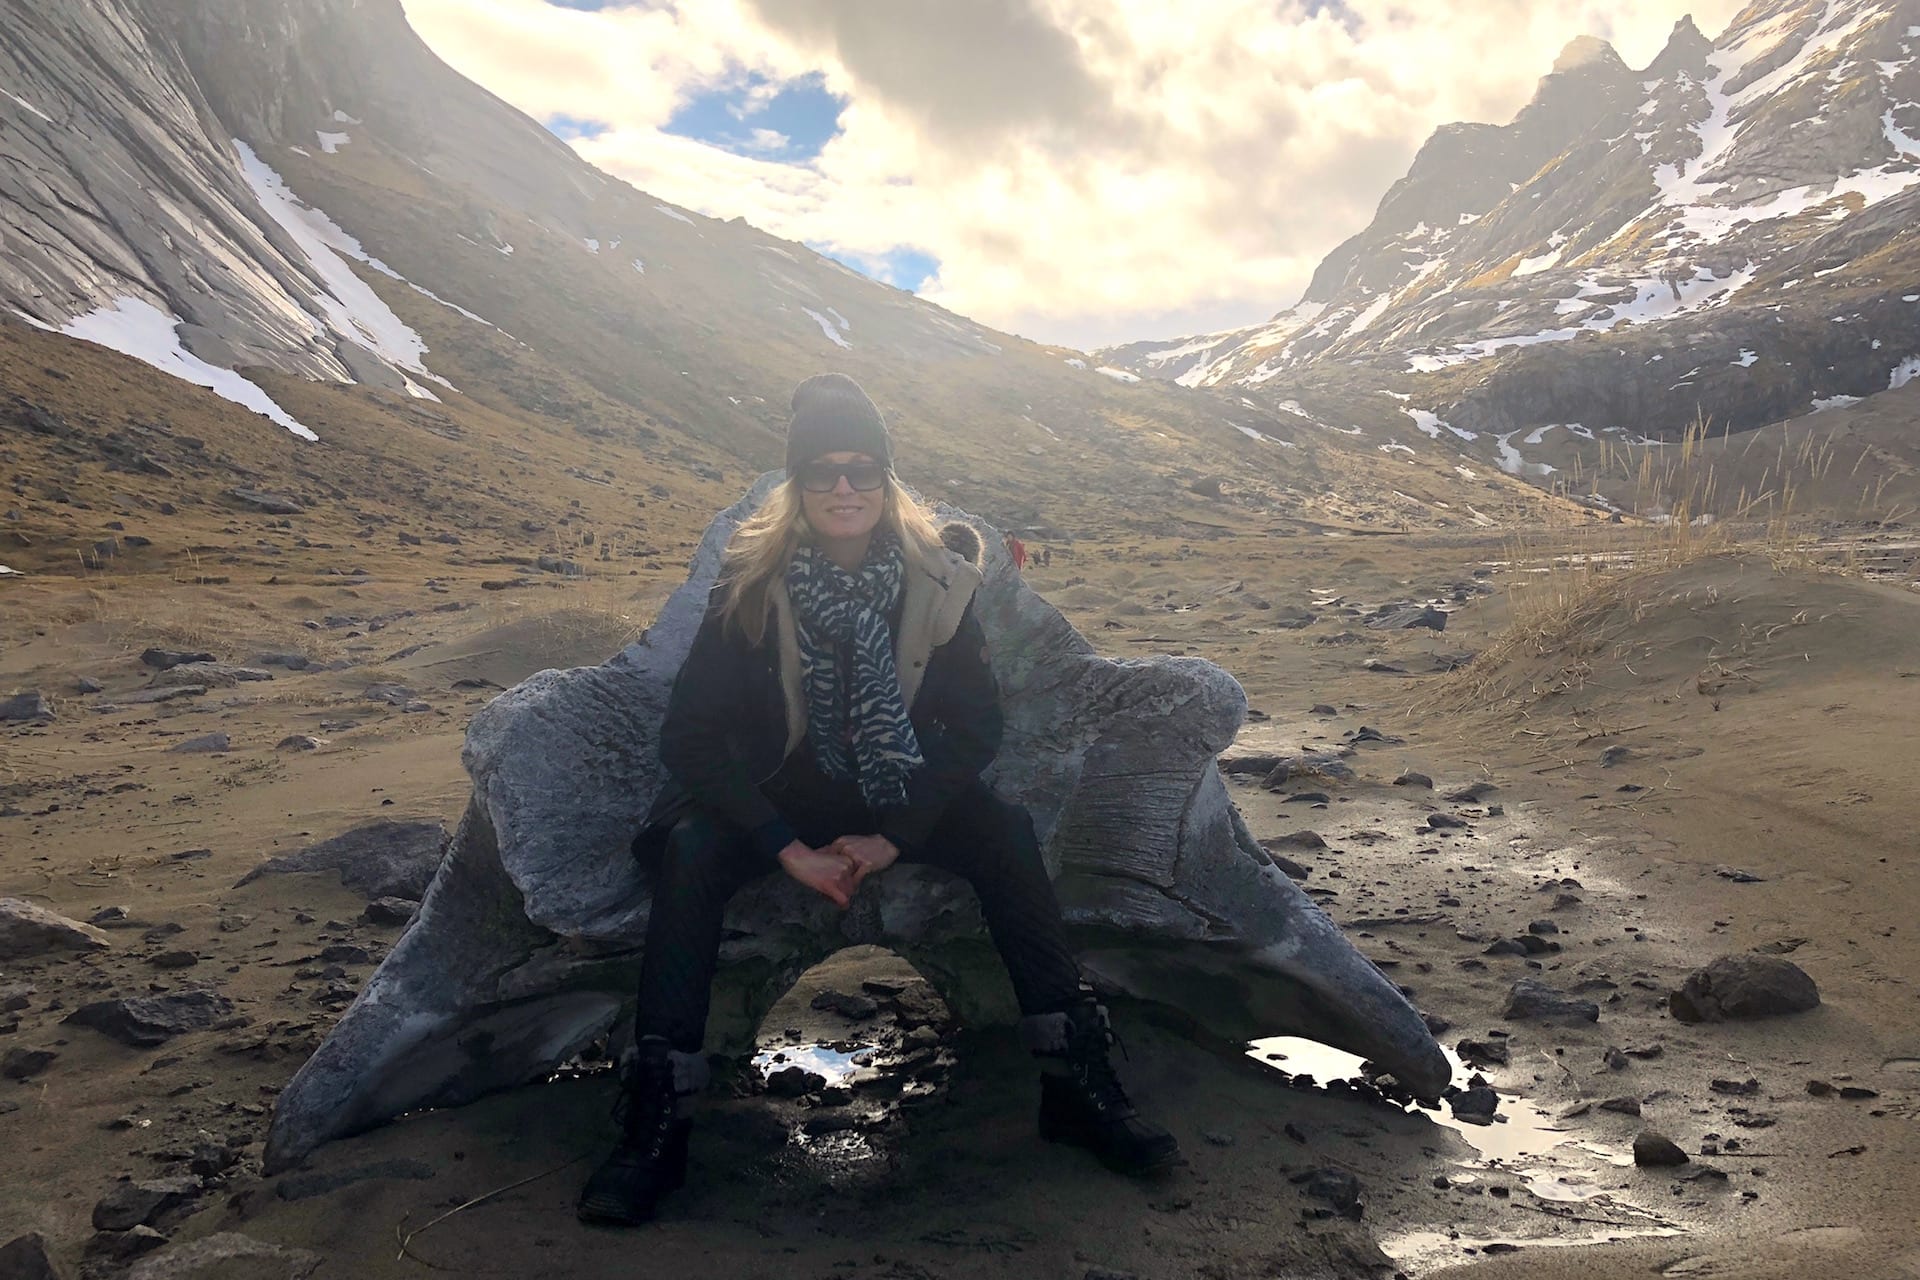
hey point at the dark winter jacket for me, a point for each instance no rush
(738, 710)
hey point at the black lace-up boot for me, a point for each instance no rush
(651, 1157)
(1081, 1098)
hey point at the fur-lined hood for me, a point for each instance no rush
(963, 540)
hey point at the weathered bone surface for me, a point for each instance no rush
(527, 944)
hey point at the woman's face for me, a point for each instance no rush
(842, 495)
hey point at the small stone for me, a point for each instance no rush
(1336, 1186)
(794, 1082)
(168, 659)
(1656, 1150)
(299, 742)
(180, 958)
(206, 743)
(1735, 1088)
(131, 1204)
(1478, 1104)
(1543, 927)
(1738, 876)
(1445, 822)
(1625, 1106)
(1615, 1060)
(848, 1005)
(1322, 709)
(346, 953)
(1485, 1053)
(1746, 985)
(1413, 779)
(390, 911)
(1615, 755)
(19, 1064)
(1531, 999)
(27, 1258)
(1820, 1089)
(150, 1020)
(87, 684)
(28, 930)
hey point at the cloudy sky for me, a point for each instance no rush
(1077, 171)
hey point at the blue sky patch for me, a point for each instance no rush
(901, 267)
(791, 126)
(572, 128)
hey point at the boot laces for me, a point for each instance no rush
(646, 1105)
(1094, 1069)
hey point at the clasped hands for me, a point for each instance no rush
(834, 871)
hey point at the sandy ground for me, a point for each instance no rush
(1768, 729)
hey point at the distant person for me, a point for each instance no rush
(1046, 557)
(832, 717)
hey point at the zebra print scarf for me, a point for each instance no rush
(856, 720)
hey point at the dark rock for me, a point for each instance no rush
(1259, 763)
(1478, 1104)
(1308, 797)
(1625, 1106)
(1543, 926)
(16, 996)
(26, 1258)
(28, 929)
(1738, 876)
(18, 1064)
(794, 1082)
(1303, 840)
(211, 1158)
(299, 742)
(1288, 867)
(1413, 779)
(1445, 822)
(25, 706)
(1336, 1186)
(1473, 793)
(390, 911)
(1533, 1000)
(1747, 985)
(305, 1186)
(145, 1021)
(123, 1246)
(167, 693)
(180, 958)
(346, 953)
(1407, 618)
(206, 743)
(168, 659)
(1382, 668)
(1615, 755)
(1485, 1053)
(1735, 1088)
(132, 1204)
(1656, 1151)
(918, 1005)
(290, 661)
(1857, 1092)
(1614, 1059)
(383, 859)
(87, 684)
(396, 695)
(1506, 947)
(1321, 709)
(847, 1005)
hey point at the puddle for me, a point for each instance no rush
(1421, 1251)
(837, 1063)
(1524, 1146)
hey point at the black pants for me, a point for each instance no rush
(982, 838)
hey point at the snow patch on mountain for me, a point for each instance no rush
(352, 309)
(826, 327)
(137, 328)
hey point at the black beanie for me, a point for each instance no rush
(831, 414)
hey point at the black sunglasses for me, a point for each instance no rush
(824, 477)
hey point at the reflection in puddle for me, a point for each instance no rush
(837, 1065)
(1524, 1144)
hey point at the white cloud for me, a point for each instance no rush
(1086, 171)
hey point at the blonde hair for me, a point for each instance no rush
(761, 549)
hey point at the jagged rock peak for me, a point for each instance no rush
(1583, 52)
(1686, 50)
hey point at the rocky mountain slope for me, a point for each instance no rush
(296, 206)
(1729, 232)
